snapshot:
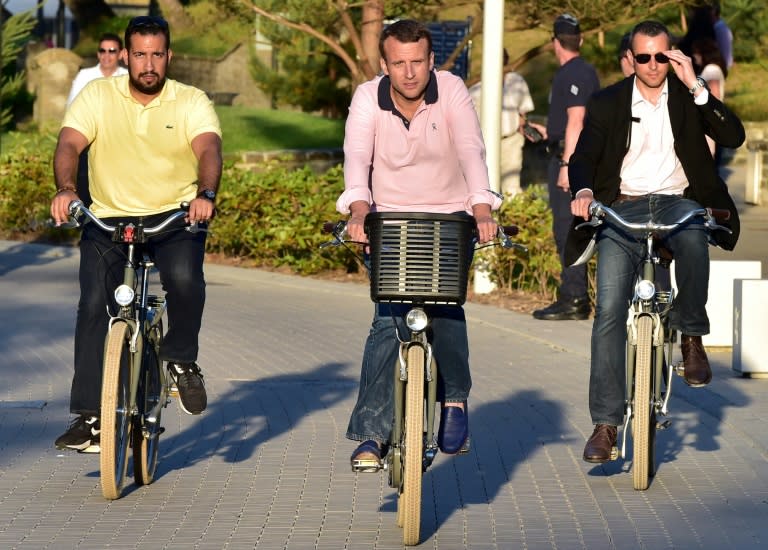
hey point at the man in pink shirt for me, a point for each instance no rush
(413, 144)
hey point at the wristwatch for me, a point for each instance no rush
(700, 83)
(209, 194)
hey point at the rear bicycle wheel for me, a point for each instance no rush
(115, 413)
(641, 416)
(410, 498)
(150, 398)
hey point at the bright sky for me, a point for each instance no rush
(18, 6)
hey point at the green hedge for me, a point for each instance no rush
(273, 218)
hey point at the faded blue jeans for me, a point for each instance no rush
(373, 414)
(619, 259)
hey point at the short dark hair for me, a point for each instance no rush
(147, 24)
(112, 37)
(405, 31)
(649, 28)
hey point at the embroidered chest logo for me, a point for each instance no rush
(169, 126)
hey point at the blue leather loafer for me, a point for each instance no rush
(454, 429)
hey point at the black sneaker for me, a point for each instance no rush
(573, 309)
(189, 382)
(82, 435)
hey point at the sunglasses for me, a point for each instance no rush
(110, 50)
(643, 58)
(147, 21)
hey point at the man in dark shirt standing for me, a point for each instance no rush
(574, 82)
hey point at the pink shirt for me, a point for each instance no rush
(437, 164)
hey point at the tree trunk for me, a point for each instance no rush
(174, 13)
(89, 12)
(372, 25)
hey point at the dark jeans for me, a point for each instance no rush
(178, 256)
(373, 414)
(573, 279)
(619, 258)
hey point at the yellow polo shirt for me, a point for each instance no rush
(141, 160)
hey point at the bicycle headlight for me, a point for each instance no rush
(645, 289)
(416, 319)
(124, 295)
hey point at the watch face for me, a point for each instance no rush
(208, 194)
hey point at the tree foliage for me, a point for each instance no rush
(15, 32)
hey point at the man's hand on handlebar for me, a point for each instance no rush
(486, 225)
(60, 206)
(580, 205)
(200, 210)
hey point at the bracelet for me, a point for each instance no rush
(62, 189)
(563, 163)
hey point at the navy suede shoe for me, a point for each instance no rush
(454, 429)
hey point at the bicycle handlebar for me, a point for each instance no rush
(339, 231)
(76, 208)
(599, 212)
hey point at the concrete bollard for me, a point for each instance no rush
(750, 327)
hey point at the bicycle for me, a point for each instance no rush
(417, 259)
(135, 386)
(649, 338)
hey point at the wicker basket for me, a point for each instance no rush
(419, 258)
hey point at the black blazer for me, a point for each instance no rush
(604, 141)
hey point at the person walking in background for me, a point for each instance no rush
(155, 143)
(516, 102)
(709, 65)
(723, 35)
(625, 63)
(642, 151)
(574, 82)
(108, 54)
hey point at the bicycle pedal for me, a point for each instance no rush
(680, 368)
(663, 425)
(173, 390)
(368, 466)
(465, 449)
(614, 453)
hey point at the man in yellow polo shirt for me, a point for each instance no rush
(154, 143)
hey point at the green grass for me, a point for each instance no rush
(247, 129)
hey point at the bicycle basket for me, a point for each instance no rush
(418, 257)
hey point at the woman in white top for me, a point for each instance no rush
(711, 67)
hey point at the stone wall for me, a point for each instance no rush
(221, 77)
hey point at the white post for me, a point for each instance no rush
(490, 111)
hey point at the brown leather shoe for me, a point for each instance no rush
(696, 371)
(601, 446)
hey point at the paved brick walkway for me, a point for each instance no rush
(267, 464)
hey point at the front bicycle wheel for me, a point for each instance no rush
(115, 413)
(413, 449)
(641, 416)
(150, 399)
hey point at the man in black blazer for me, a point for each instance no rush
(643, 152)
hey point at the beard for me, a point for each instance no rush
(148, 89)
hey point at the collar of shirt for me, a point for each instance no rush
(651, 165)
(387, 104)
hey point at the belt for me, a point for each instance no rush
(629, 198)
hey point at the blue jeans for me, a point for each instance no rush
(178, 256)
(619, 259)
(373, 414)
